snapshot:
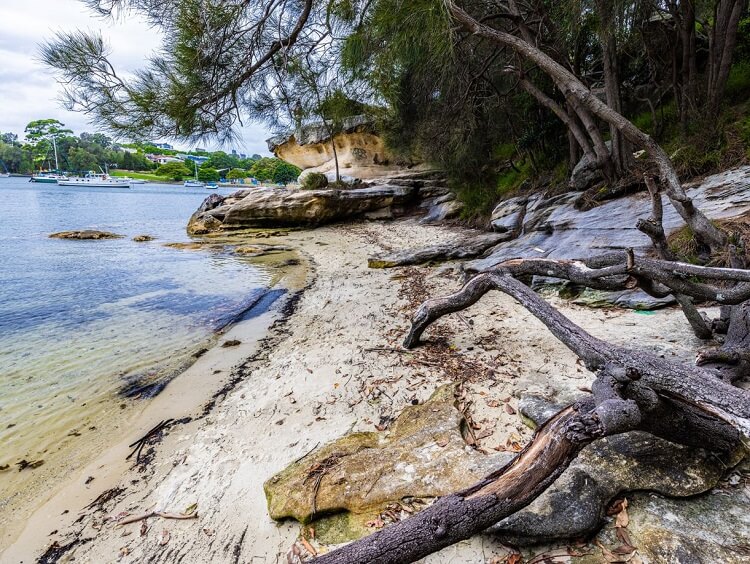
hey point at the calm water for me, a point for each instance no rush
(85, 324)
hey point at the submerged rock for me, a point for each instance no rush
(86, 234)
(143, 238)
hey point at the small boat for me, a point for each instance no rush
(94, 180)
(47, 178)
(194, 184)
(211, 185)
(4, 175)
(132, 181)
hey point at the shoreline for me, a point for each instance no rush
(179, 399)
(315, 376)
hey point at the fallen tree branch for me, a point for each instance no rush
(467, 247)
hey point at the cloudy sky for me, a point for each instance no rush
(27, 89)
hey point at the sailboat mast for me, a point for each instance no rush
(54, 145)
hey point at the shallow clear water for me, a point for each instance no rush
(85, 323)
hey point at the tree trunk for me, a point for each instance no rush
(621, 153)
(722, 40)
(633, 390)
(579, 136)
(575, 91)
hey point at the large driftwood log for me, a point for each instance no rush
(465, 247)
(634, 390)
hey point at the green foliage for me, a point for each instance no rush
(237, 174)
(80, 159)
(208, 174)
(221, 161)
(738, 83)
(173, 171)
(274, 170)
(692, 160)
(285, 173)
(314, 181)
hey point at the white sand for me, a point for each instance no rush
(315, 382)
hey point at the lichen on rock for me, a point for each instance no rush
(422, 456)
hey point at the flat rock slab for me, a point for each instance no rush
(423, 455)
(553, 227)
(86, 234)
(346, 486)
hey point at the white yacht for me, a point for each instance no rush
(94, 180)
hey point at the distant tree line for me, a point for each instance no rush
(96, 151)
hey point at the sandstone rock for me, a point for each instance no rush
(143, 238)
(86, 234)
(704, 530)
(507, 217)
(554, 228)
(423, 455)
(259, 250)
(349, 482)
(443, 210)
(273, 207)
(358, 147)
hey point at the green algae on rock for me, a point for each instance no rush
(85, 234)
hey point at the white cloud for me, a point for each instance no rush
(28, 90)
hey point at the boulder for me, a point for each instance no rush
(86, 234)
(575, 504)
(143, 238)
(444, 208)
(273, 207)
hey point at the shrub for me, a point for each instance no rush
(314, 181)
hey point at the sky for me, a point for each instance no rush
(28, 90)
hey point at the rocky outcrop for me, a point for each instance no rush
(348, 485)
(273, 207)
(86, 234)
(361, 151)
(422, 456)
(575, 505)
(553, 227)
(264, 207)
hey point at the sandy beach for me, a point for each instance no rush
(311, 379)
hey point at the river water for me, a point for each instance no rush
(88, 329)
